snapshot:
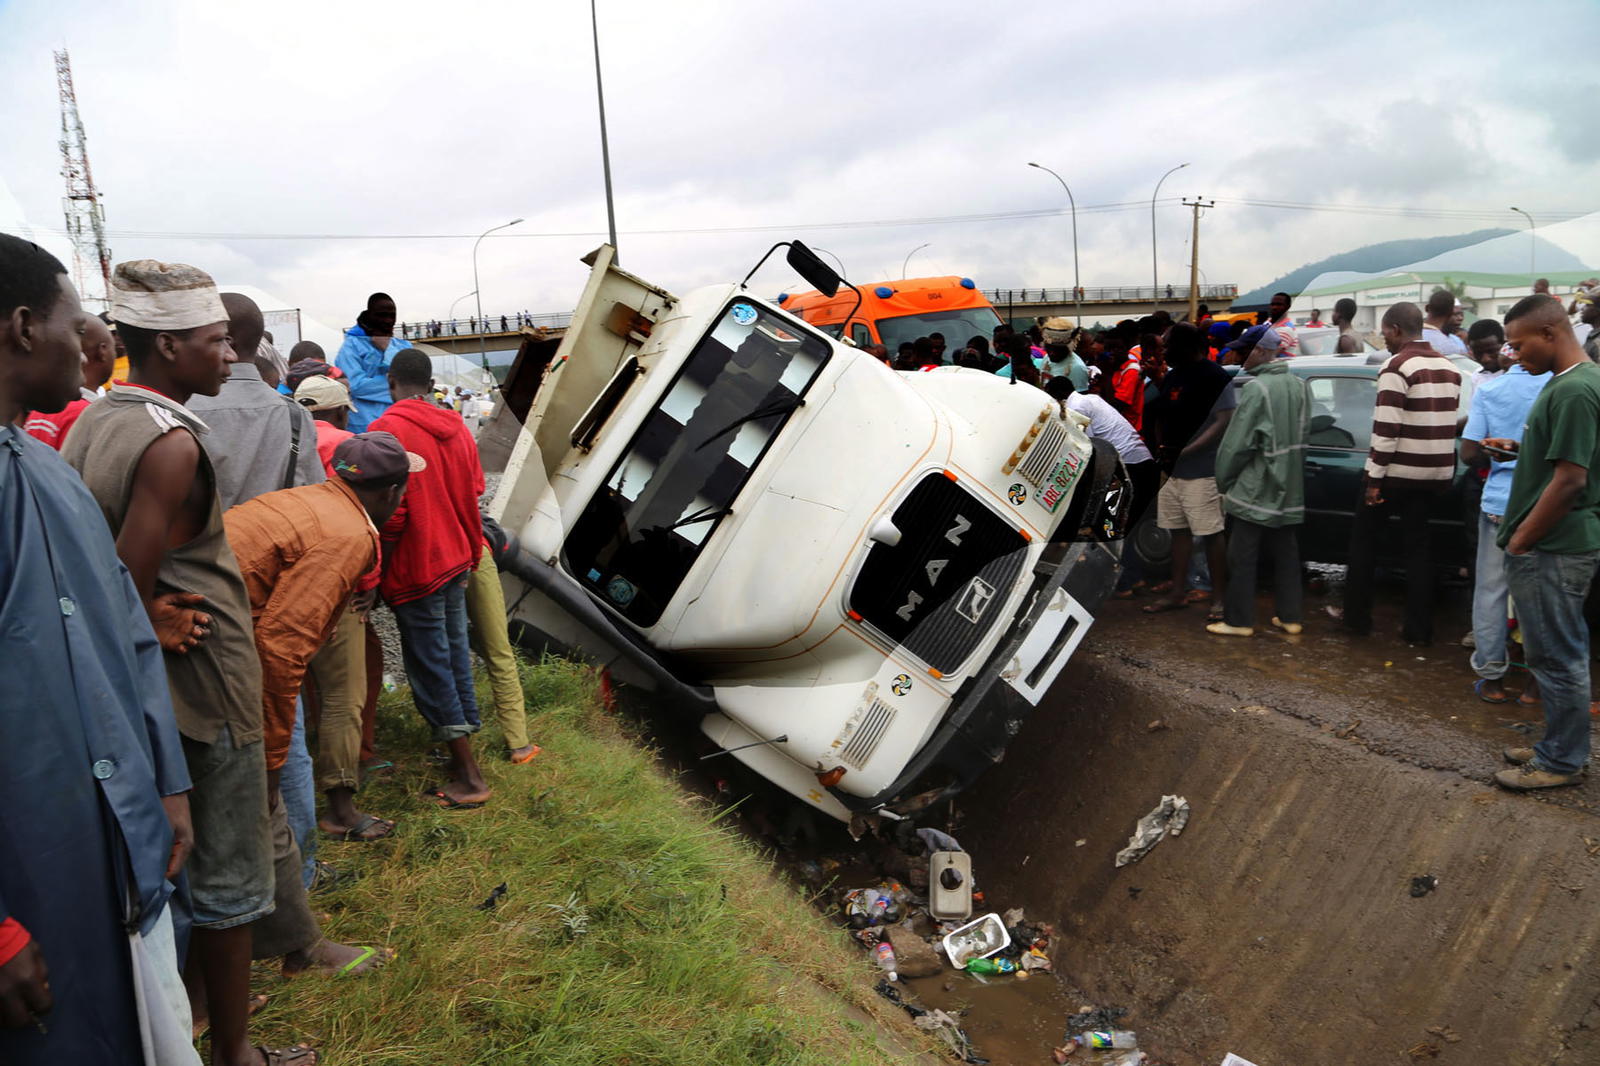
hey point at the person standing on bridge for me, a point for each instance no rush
(1551, 537)
(368, 349)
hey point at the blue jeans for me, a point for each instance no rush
(297, 787)
(1549, 589)
(1489, 656)
(433, 642)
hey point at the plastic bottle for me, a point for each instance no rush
(1106, 1038)
(884, 955)
(995, 966)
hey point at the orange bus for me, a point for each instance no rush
(895, 312)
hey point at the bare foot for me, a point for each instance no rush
(326, 956)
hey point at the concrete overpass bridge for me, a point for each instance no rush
(1103, 303)
(502, 332)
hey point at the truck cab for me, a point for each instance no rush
(859, 580)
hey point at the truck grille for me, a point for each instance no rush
(864, 741)
(1044, 453)
(938, 592)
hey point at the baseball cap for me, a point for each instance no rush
(1254, 337)
(374, 456)
(322, 394)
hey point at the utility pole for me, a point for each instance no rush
(1194, 256)
(605, 143)
(85, 215)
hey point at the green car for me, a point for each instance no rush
(1344, 389)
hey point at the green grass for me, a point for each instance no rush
(637, 928)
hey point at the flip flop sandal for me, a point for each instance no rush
(378, 766)
(1196, 596)
(367, 954)
(299, 1055)
(442, 800)
(533, 750)
(1477, 687)
(354, 833)
(1523, 701)
(1163, 606)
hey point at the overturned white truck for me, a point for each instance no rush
(861, 580)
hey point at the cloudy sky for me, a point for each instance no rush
(386, 131)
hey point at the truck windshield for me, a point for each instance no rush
(637, 538)
(958, 327)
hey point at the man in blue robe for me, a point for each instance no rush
(94, 816)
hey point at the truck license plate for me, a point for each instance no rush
(1060, 481)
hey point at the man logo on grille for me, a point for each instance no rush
(974, 600)
(901, 685)
(1017, 493)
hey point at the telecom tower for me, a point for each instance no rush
(86, 217)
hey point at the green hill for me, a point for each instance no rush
(1369, 259)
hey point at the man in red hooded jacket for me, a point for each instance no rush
(429, 548)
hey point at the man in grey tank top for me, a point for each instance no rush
(138, 451)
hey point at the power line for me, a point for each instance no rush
(1373, 210)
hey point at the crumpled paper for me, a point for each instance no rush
(1167, 819)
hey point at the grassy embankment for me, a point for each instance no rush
(636, 928)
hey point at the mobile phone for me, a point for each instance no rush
(1503, 454)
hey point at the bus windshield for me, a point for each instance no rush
(638, 536)
(958, 327)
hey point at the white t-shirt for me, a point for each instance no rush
(1106, 423)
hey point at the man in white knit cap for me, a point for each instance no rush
(138, 450)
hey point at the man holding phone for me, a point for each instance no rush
(1551, 537)
(1499, 410)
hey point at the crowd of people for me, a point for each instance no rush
(192, 549)
(1213, 429)
(454, 327)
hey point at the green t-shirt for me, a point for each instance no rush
(1563, 424)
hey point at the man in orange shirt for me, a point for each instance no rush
(303, 553)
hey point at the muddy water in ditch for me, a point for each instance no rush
(1324, 774)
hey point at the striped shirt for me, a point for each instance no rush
(1414, 420)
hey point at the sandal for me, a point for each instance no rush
(367, 954)
(356, 833)
(1196, 596)
(299, 1055)
(1163, 606)
(443, 800)
(1477, 687)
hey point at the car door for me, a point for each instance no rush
(1340, 433)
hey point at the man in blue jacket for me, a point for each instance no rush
(365, 355)
(94, 809)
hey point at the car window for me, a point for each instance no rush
(1341, 412)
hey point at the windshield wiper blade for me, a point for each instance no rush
(705, 514)
(781, 407)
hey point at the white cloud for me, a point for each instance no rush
(421, 118)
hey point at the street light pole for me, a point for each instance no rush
(1155, 290)
(836, 259)
(605, 142)
(907, 264)
(457, 300)
(477, 290)
(1533, 246)
(1077, 301)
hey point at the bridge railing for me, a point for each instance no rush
(471, 326)
(1114, 294)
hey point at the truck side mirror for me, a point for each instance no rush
(807, 264)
